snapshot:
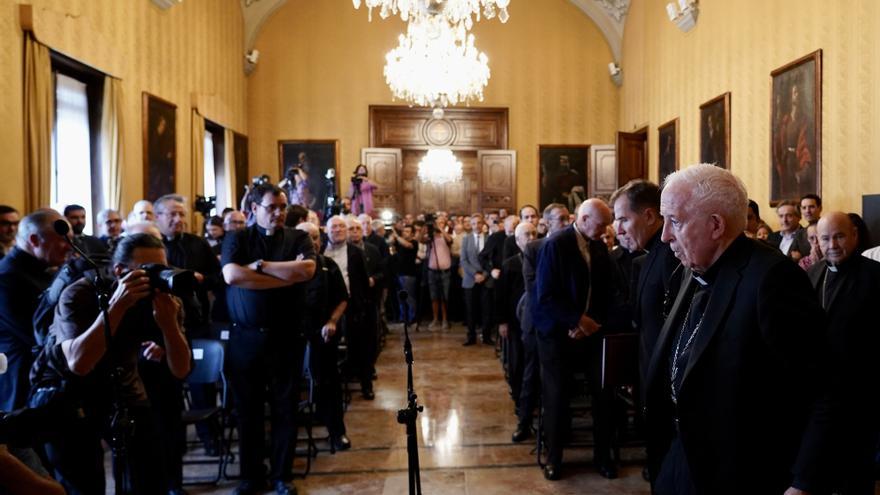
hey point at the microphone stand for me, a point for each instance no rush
(121, 423)
(409, 415)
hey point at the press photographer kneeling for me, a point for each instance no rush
(100, 383)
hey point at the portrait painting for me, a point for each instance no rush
(308, 169)
(667, 142)
(796, 129)
(563, 174)
(715, 131)
(160, 146)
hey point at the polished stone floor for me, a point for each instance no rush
(464, 433)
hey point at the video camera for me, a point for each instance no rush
(292, 173)
(259, 180)
(204, 204)
(174, 281)
(430, 222)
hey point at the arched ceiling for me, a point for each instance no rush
(608, 15)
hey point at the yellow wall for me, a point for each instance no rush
(321, 67)
(194, 47)
(734, 47)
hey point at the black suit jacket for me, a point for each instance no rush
(358, 282)
(375, 268)
(658, 279)
(855, 339)
(751, 407)
(530, 270)
(800, 243)
(510, 248)
(509, 290)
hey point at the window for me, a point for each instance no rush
(215, 164)
(210, 181)
(75, 169)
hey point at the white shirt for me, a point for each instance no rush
(787, 239)
(478, 238)
(340, 256)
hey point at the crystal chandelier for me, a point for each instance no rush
(439, 167)
(457, 12)
(436, 64)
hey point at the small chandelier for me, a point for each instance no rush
(457, 12)
(439, 167)
(436, 64)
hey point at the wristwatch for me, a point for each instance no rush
(259, 266)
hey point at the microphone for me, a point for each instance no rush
(61, 227)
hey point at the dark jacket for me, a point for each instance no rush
(509, 289)
(751, 407)
(800, 243)
(192, 252)
(23, 278)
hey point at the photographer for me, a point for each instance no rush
(361, 192)
(438, 242)
(137, 310)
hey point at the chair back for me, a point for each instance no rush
(208, 356)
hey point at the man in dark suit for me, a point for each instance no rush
(353, 266)
(847, 285)
(575, 292)
(735, 397)
(508, 292)
(76, 217)
(376, 280)
(791, 239)
(556, 217)
(658, 274)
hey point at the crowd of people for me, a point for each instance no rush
(754, 355)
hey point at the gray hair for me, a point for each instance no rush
(377, 224)
(103, 214)
(159, 204)
(713, 190)
(40, 222)
(308, 228)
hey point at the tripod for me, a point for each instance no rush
(409, 415)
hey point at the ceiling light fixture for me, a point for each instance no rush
(439, 166)
(436, 64)
(457, 12)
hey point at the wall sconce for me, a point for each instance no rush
(616, 73)
(166, 4)
(250, 61)
(684, 15)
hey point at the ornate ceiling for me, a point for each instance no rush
(608, 15)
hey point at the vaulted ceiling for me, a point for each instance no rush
(608, 15)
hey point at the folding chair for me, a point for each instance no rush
(208, 358)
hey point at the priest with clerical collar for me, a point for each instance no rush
(736, 398)
(847, 285)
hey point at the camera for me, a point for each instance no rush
(175, 281)
(259, 180)
(430, 222)
(357, 179)
(292, 173)
(204, 204)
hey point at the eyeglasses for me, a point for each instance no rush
(7, 224)
(272, 208)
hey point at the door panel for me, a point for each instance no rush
(632, 156)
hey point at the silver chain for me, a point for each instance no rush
(679, 350)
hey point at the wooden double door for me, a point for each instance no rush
(401, 136)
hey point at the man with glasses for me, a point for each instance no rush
(233, 221)
(190, 252)
(9, 219)
(265, 266)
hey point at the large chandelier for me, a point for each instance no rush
(457, 12)
(439, 167)
(436, 64)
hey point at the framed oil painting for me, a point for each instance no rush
(160, 146)
(667, 142)
(306, 164)
(563, 174)
(796, 129)
(715, 131)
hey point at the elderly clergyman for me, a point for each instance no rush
(735, 400)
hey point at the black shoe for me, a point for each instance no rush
(368, 395)
(341, 442)
(283, 488)
(552, 472)
(469, 342)
(521, 434)
(489, 341)
(608, 470)
(249, 488)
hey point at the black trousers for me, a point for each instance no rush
(556, 377)
(674, 477)
(166, 403)
(530, 388)
(261, 360)
(514, 352)
(323, 360)
(77, 457)
(478, 309)
(361, 334)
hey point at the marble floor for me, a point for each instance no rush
(463, 433)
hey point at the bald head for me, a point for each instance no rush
(525, 232)
(838, 237)
(593, 217)
(144, 227)
(314, 233)
(337, 230)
